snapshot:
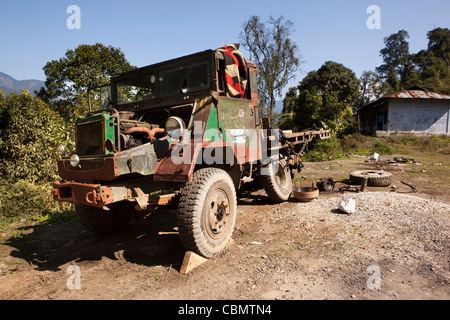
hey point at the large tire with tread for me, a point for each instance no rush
(374, 178)
(104, 222)
(278, 185)
(207, 212)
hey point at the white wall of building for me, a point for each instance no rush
(430, 116)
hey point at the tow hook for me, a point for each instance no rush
(102, 196)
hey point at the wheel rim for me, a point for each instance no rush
(216, 213)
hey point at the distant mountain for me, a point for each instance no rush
(8, 84)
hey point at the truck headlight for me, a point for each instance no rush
(74, 160)
(175, 127)
(61, 149)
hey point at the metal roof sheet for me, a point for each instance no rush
(417, 94)
(407, 94)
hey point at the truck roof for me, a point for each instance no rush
(188, 59)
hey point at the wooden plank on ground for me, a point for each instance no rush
(192, 260)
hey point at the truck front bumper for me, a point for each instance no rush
(97, 195)
(82, 193)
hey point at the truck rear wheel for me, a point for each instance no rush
(207, 212)
(103, 222)
(278, 183)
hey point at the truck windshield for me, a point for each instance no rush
(100, 98)
(136, 88)
(163, 84)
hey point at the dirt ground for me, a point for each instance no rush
(395, 246)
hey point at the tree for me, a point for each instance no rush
(432, 64)
(289, 100)
(287, 115)
(398, 67)
(87, 66)
(29, 133)
(439, 43)
(326, 97)
(428, 68)
(274, 53)
(371, 87)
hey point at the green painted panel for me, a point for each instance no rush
(110, 130)
(211, 130)
(108, 126)
(237, 120)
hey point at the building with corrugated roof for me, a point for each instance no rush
(415, 110)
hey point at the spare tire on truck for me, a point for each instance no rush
(375, 178)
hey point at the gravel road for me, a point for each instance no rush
(405, 236)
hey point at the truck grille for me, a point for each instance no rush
(86, 164)
(90, 138)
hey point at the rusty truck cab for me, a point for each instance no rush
(124, 150)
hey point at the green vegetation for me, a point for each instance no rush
(401, 145)
(322, 150)
(322, 99)
(31, 201)
(29, 134)
(382, 148)
(329, 97)
(433, 143)
(32, 127)
(69, 78)
(428, 68)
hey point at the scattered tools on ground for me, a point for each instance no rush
(364, 182)
(413, 189)
(326, 184)
(358, 182)
(400, 160)
(349, 188)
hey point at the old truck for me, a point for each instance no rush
(185, 132)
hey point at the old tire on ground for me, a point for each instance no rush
(278, 185)
(207, 212)
(374, 178)
(103, 222)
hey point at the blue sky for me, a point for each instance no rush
(35, 32)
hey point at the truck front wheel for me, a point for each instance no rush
(103, 222)
(207, 212)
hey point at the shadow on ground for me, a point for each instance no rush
(150, 242)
